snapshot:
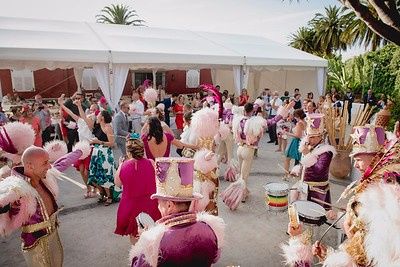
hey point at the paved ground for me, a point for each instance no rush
(253, 234)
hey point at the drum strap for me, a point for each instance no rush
(312, 184)
(318, 190)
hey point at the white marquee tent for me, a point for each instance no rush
(236, 61)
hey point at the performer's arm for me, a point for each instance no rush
(66, 161)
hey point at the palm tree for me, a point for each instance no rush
(329, 28)
(357, 32)
(382, 17)
(303, 39)
(119, 14)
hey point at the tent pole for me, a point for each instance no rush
(110, 76)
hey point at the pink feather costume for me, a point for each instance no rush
(21, 207)
(247, 132)
(203, 135)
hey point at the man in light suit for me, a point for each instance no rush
(121, 126)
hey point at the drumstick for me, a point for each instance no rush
(280, 166)
(326, 203)
(329, 228)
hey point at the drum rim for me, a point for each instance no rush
(309, 216)
(280, 191)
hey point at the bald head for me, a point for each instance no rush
(32, 153)
(36, 163)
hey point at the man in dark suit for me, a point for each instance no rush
(121, 126)
(349, 97)
(168, 104)
(369, 98)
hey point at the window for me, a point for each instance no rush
(89, 81)
(22, 80)
(192, 78)
(140, 77)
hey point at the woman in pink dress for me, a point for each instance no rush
(157, 143)
(137, 177)
(28, 117)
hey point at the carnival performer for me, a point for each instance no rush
(371, 216)
(28, 202)
(205, 165)
(317, 157)
(248, 130)
(180, 237)
(226, 142)
(203, 134)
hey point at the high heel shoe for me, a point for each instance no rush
(108, 202)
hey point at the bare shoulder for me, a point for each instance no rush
(108, 129)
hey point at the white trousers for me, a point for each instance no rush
(245, 156)
(225, 148)
(137, 125)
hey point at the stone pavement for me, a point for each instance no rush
(253, 234)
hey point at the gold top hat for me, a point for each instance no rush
(174, 179)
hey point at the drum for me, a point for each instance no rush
(277, 196)
(310, 212)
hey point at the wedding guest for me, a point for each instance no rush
(137, 176)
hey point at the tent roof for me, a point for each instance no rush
(31, 43)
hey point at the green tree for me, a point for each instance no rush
(383, 18)
(119, 14)
(303, 39)
(358, 33)
(329, 28)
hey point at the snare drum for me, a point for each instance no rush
(310, 212)
(277, 196)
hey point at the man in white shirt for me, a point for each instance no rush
(136, 110)
(275, 103)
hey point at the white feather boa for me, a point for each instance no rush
(311, 158)
(149, 241)
(380, 210)
(205, 161)
(295, 251)
(253, 129)
(84, 147)
(56, 149)
(12, 189)
(338, 258)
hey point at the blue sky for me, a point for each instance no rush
(274, 19)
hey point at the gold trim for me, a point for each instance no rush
(51, 224)
(313, 184)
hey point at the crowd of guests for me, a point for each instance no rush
(142, 131)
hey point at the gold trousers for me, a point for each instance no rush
(47, 252)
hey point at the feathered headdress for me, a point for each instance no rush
(217, 96)
(56, 149)
(15, 137)
(204, 124)
(150, 95)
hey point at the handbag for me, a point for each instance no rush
(188, 152)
